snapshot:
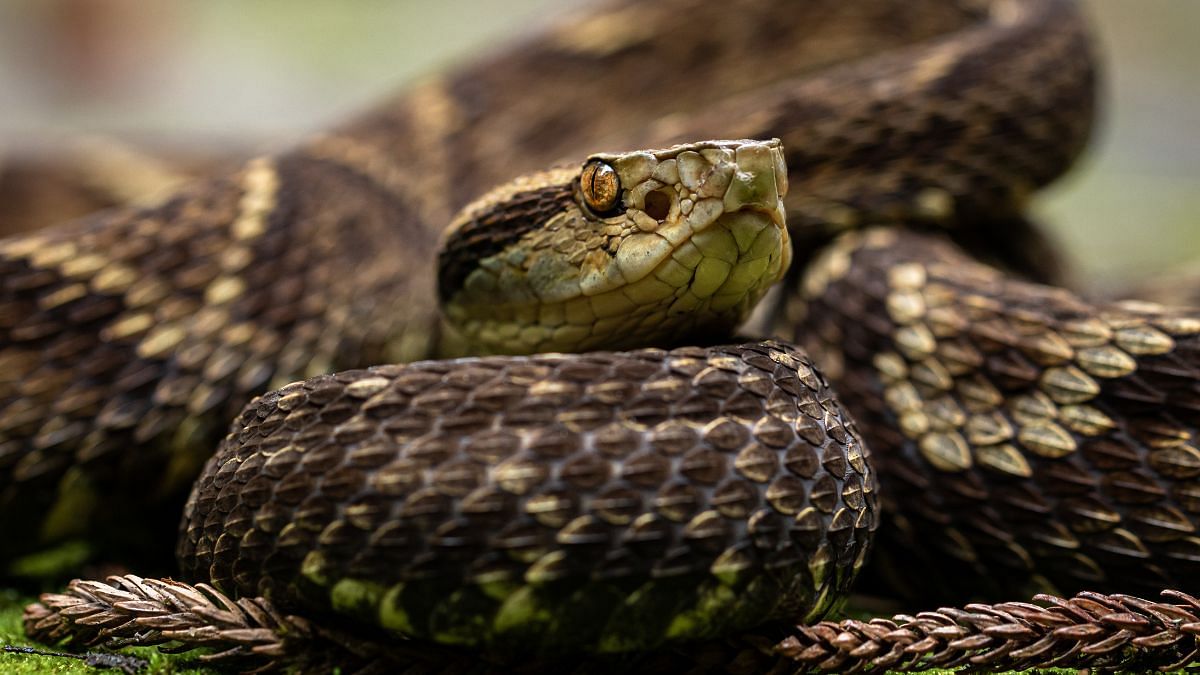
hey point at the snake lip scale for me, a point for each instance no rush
(492, 493)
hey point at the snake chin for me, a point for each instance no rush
(691, 244)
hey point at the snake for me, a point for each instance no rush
(993, 431)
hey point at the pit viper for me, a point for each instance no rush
(619, 501)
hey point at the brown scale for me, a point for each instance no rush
(128, 337)
(611, 466)
(1023, 434)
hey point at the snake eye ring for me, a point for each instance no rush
(601, 187)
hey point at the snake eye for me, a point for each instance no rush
(601, 187)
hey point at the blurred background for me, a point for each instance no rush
(211, 78)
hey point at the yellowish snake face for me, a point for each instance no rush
(630, 249)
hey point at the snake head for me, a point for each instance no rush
(646, 248)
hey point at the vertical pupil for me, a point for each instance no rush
(596, 183)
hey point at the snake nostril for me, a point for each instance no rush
(658, 205)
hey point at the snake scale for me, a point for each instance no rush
(1008, 434)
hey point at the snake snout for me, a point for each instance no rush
(760, 180)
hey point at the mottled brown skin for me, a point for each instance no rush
(128, 346)
(612, 491)
(129, 339)
(1023, 435)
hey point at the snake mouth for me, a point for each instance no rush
(697, 237)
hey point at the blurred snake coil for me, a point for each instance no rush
(994, 435)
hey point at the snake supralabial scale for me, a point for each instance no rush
(615, 502)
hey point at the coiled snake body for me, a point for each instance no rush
(616, 501)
